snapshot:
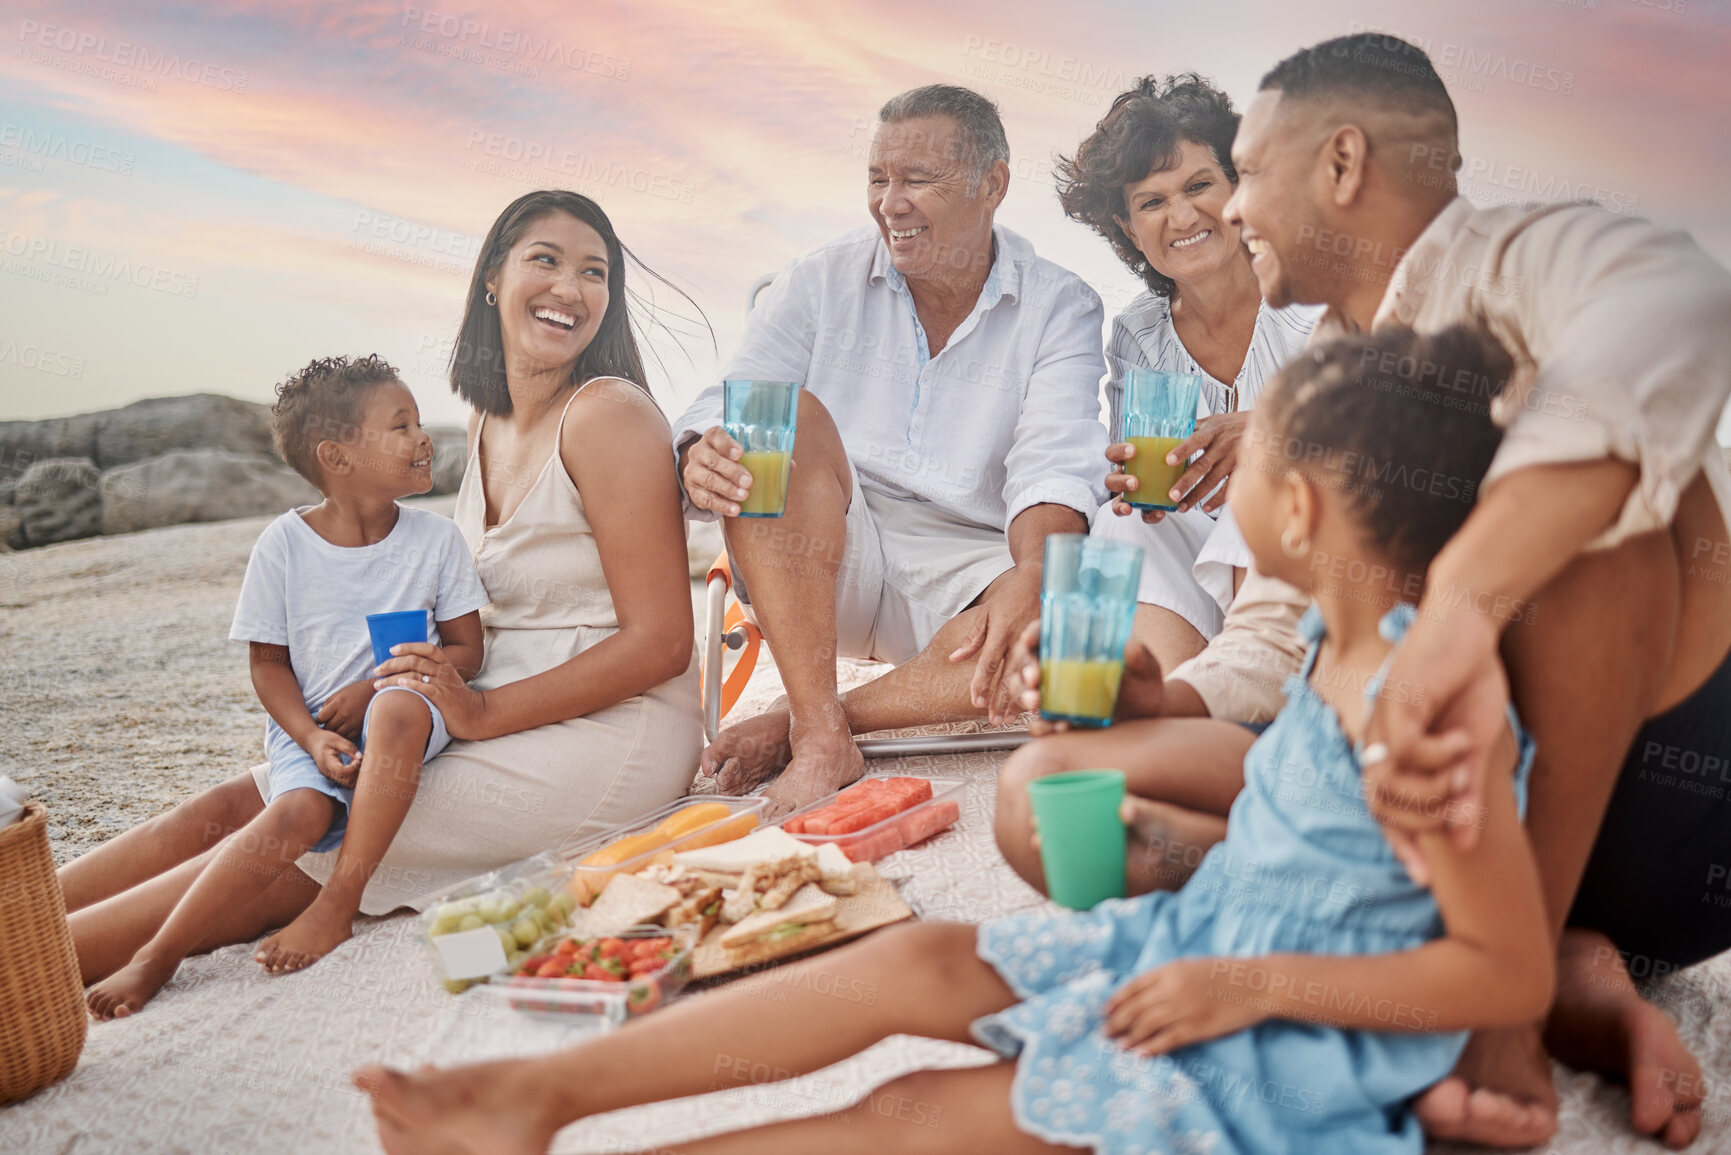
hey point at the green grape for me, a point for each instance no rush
(537, 896)
(471, 922)
(526, 930)
(450, 910)
(457, 986)
(445, 923)
(506, 938)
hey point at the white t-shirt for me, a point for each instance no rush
(302, 592)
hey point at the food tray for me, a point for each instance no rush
(891, 834)
(486, 923)
(612, 1002)
(585, 882)
(875, 905)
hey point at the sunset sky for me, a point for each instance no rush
(202, 197)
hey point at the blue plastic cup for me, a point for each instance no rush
(1159, 412)
(762, 416)
(1087, 607)
(393, 629)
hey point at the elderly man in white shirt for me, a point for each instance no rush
(948, 422)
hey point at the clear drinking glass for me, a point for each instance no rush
(1087, 606)
(1159, 413)
(761, 416)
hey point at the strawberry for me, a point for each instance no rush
(643, 997)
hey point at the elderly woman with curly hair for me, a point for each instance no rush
(1153, 180)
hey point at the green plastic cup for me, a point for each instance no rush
(1082, 839)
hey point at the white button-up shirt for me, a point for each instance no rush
(1006, 416)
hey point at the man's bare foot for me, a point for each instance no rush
(825, 759)
(748, 753)
(127, 990)
(318, 930)
(1601, 1023)
(487, 1109)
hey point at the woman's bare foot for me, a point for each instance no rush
(318, 930)
(487, 1109)
(748, 753)
(1500, 1093)
(825, 759)
(127, 990)
(1601, 1023)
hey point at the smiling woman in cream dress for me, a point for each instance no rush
(585, 712)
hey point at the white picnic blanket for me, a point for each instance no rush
(229, 1059)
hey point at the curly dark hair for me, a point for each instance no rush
(1141, 135)
(1401, 422)
(323, 402)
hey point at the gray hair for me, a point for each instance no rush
(983, 140)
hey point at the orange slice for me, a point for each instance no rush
(683, 821)
(736, 827)
(627, 848)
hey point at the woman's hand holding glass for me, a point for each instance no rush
(1216, 438)
(423, 667)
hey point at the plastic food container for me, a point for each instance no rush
(897, 832)
(488, 923)
(592, 863)
(611, 1001)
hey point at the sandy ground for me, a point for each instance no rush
(119, 689)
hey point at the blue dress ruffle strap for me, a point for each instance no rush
(1303, 868)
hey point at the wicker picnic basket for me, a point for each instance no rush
(42, 1015)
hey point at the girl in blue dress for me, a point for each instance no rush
(1293, 996)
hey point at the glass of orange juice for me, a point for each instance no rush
(761, 416)
(1159, 413)
(1087, 605)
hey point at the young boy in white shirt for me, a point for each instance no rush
(345, 760)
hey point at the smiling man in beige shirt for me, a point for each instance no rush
(1593, 565)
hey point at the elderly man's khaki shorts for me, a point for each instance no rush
(907, 567)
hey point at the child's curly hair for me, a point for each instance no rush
(323, 402)
(1400, 423)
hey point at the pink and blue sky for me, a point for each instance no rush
(202, 197)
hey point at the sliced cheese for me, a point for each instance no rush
(771, 844)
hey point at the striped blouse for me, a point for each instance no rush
(1143, 337)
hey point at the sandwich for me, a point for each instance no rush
(629, 900)
(768, 885)
(701, 906)
(837, 870)
(807, 918)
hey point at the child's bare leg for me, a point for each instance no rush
(925, 977)
(242, 869)
(107, 934)
(1195, 765)
(398, 724)
(161, 843)
(940, 1112)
